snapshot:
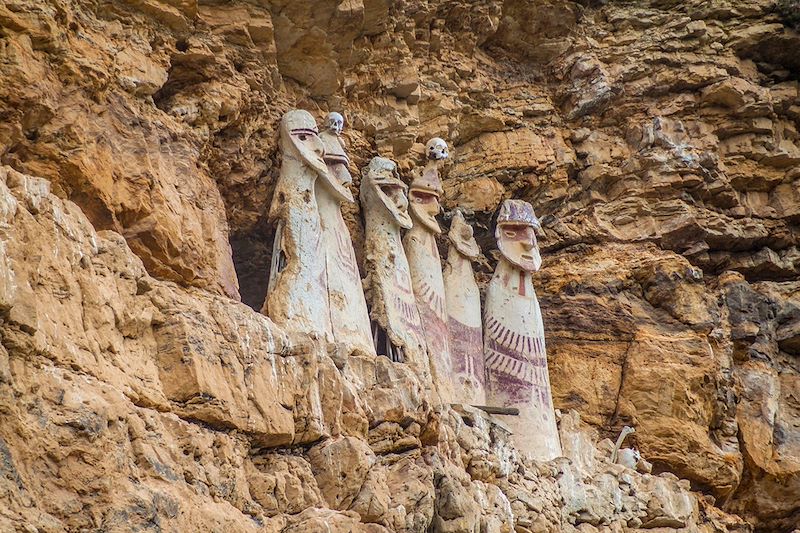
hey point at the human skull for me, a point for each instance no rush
(335, 122)
(436, 149)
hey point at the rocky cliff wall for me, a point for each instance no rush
(132, 404)
(657, 142)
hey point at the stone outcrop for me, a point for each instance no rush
(657, 142)
(155, 406)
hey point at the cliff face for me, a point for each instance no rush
(658, 143)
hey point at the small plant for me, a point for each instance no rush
(789, 11)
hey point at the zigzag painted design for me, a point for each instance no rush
(405, 309)
(526, 345)
(346, 259)
(434, 300)
(501, 359)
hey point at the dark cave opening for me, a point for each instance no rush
(252, 255)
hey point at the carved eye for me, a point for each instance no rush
(302, 137)
(510, 234)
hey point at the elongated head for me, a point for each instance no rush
(462, 238)
(300, 139)
(423, 196)
(382, 188)
(516, 235)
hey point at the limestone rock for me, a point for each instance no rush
(658, 143)
(282, 484)
(341, 468)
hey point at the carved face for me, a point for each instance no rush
(424, 207)
(461, 236)
(300, 139)
(335, 122)
(336, 158)
(436, 149)
(517, 243)
(382, 186)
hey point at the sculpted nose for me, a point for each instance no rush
(401, 201)
(529, 241)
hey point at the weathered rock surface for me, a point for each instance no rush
(658, 142)
(140, 411)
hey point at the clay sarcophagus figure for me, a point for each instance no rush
(513, 333)
(397, 329)
(348, 308)
(426, 265)
(297, 294)
(464, 314)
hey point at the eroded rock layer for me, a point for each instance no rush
(129, 404)
(656, 140)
